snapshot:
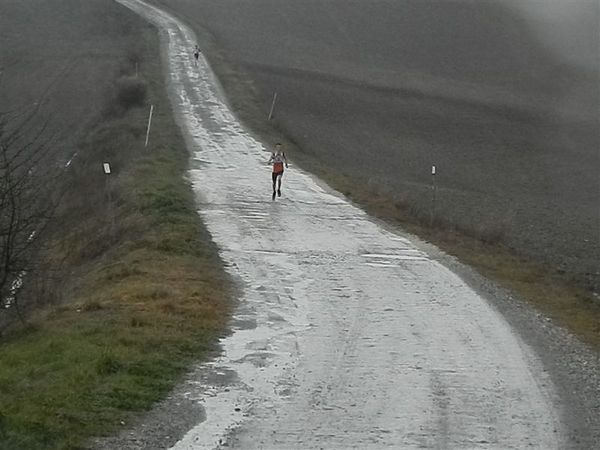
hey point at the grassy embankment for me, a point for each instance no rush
(563, 297)
(140, 300)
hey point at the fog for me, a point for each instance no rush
(570, 28)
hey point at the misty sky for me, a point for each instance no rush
(569, 27)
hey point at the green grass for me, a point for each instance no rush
(91, 370)
(140, 301)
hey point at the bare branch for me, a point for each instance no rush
(26, 200)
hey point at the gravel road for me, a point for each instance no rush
(349, 334)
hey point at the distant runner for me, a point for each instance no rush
(278, 159)
(196, 54)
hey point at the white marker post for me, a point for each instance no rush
(433, 195)
(272, 106)
(149, 123)
(111, 217)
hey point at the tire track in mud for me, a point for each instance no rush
(347, 336)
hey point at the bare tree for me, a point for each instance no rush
(26, 203)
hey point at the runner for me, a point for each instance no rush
(196, 54)
(278, 159)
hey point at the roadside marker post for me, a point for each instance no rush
(111, 216)
(149, 124)
(433, 195)
(272, 106)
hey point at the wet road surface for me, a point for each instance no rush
(347, 335)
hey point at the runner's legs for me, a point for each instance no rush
(279, 184)
(276, 184)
